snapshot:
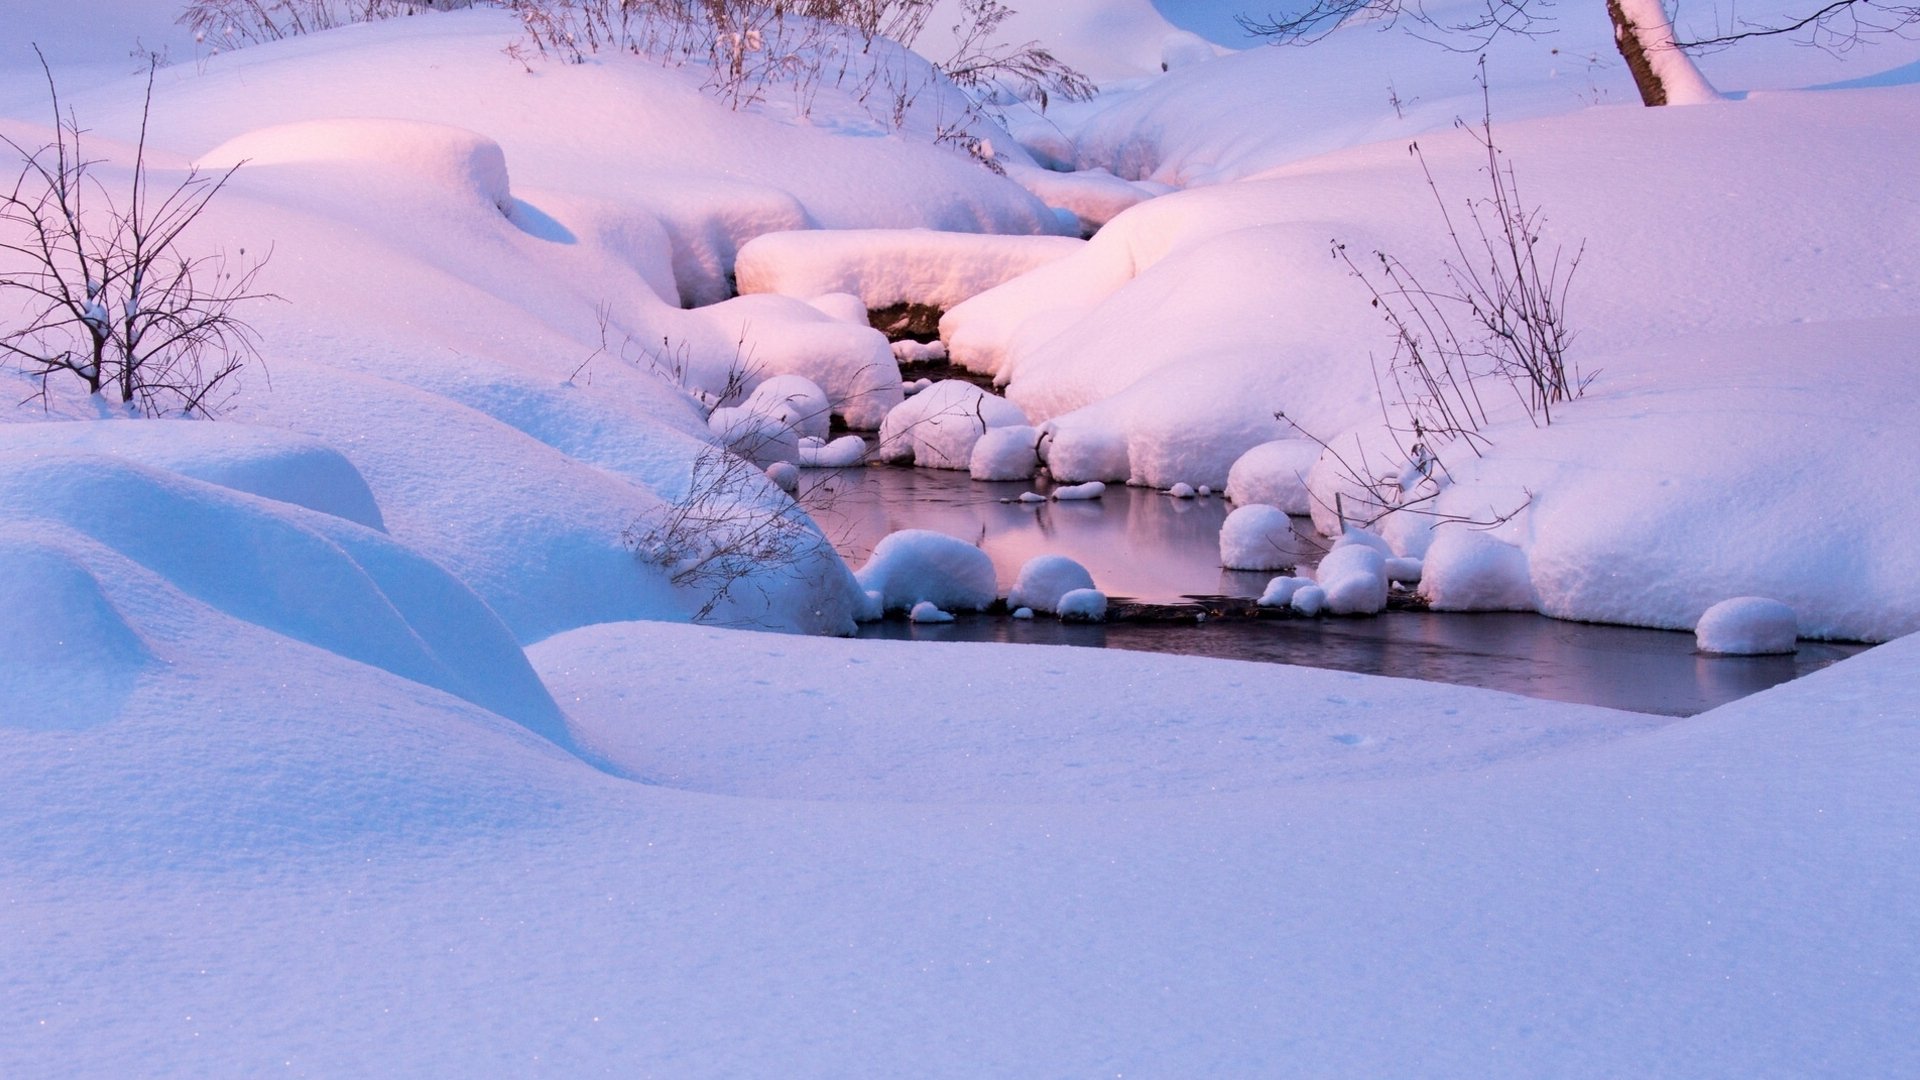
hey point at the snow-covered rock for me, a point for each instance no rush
(937, 428)
(1005, 453)
(916, 565)
(1472, 570)
(1354, 578)
(1259, 537)
(795, 401)
(1045, 579)
(1083, 605)
(1748, 626)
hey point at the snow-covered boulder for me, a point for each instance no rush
(1258, 537)
(938, 427)
(795, 401)
(1748, 626)
(1280, 591)
(1275, 473)
(916, 565)
(1354, 577)
(1045, 579)
(842, 453)
(1083, 605)
(1005, 453)
(1470, 570)
(754, 435)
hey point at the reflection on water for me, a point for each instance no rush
(1145, 545)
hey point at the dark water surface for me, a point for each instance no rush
(1147, 546)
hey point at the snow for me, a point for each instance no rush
(916, 565)
(1083, 605)
(884, 267)
(1005, 453)
(926, 612)
(1470, 570)
(1353, 577)
(938, 427)
(1044, 582)
(1259, 537)
(1275, 473)
(346, 735)
(841, 453)
(1747, 626)
(1092, 489)
(1280, 591)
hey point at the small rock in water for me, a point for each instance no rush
(1748, 626)
(1023, 613)
(1031, 497)
(1203, 491)
(1181, 490)
(1083, 605)
(1092, 489)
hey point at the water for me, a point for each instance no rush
(1146, 546)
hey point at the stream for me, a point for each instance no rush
(1145, 546)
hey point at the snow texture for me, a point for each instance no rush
(937, 428)
(1005, 453)
(884, 267)
(1260, 537)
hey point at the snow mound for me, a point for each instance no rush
(1083, 605)
(937, 428)
(312, 577)
(1280, 591)
(1092, 489)
(1354, 578)
(843, 452)
(70, 657)
(1308, 600)
(885, 267)
(267, 462)
(916, 565)
(1259, 537)
(755, 435)
(1005, 453)
(1044, 580)
(928, 612)
(753, 338)
(438, 157)
(795, 401)
(1470, 570)
(1275, 473)
(1748, 626)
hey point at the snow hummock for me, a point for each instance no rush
(1259, 537)
(1748, 626)
(915, 565)
(1083, 605)
(1471, 570)
(1092, 489)
(1353, 577)
(843, 452)
(1044, 580)
(937, 428)
(1005, 453)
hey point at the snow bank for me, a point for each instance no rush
(442, 158)
(309, 576)
(893, 266)
(914, 566)
(938, 427)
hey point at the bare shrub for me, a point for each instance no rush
(1498, 319)
(107, 294)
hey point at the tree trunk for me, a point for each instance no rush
(1663, 74)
